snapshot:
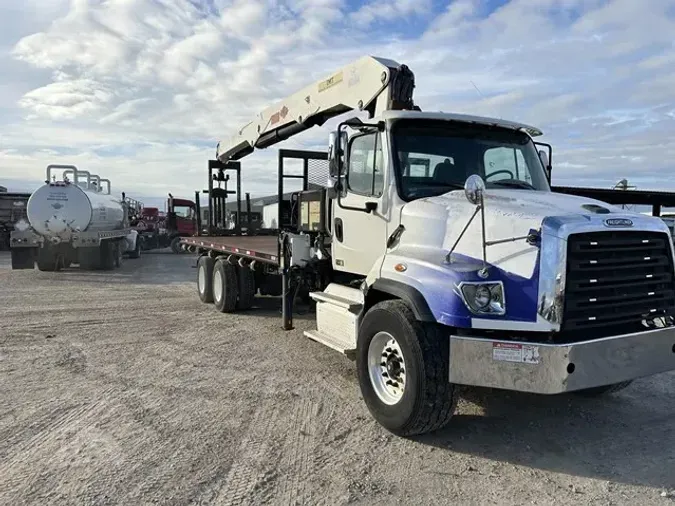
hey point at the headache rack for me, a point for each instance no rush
(615, 281)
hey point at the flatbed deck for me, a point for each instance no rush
(263, 248)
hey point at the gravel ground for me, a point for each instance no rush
(122, 388)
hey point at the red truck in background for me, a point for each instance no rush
(157, 229)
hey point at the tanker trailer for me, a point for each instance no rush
(72, 222)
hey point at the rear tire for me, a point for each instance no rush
(205, 266)
(48, 260)
(603, 390)
(136, 253)
(108, 253)
(403, 370)
(119, 252)
(225, 287)
(89, 258)
(246, 278)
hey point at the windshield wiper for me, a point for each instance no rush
(517, 183)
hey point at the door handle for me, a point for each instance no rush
(338, 229)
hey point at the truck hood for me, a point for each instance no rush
(432, 225)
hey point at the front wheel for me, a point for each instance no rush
(175, 246)
(403, 370)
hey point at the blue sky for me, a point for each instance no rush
(141, 91)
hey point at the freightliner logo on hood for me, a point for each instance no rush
(618, 222)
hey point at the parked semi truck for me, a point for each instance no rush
(73, 221)
(438, 255)
(12, 209)
(161, 230)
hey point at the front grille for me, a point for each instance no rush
(614, 281)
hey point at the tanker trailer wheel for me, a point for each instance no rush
(403, 370)
(175, 246)
(225, 286)
(108, 252)
(205, 278)
(119, 252)
(48, 260)
(138, 247)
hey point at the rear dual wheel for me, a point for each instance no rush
(225, 286)
(229, 286)
(205, 266)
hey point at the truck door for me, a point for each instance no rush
(359, 238)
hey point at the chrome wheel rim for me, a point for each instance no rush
(386, 368)
(217, 287)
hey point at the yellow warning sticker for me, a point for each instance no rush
(331, 81)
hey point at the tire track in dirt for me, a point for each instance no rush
(17, 467)
(297, 454)
(253, 464)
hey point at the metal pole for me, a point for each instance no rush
(305, 174)
(248, 212)
(198, 210)
(210, 223)
(238, 170)
(280, 190)
(286, 290)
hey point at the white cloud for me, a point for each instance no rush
(142, 90)
(386, 10)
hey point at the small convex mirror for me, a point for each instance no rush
(474, 188)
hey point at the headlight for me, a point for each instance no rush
(484, 298)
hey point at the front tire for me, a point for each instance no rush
(403, 370)
(175, 246)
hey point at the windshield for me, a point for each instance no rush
(183, 211)
(435, 157)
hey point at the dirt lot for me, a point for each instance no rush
(122, 388)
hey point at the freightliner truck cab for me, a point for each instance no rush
(453, 263)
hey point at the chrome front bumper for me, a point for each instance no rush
(553, 369)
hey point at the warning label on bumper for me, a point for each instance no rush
(512, 352)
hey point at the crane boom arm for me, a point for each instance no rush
(370, 83)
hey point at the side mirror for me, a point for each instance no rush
(335, 154)
(546, 162)
(474, 187)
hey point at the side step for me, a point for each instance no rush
(335, 300)
(331, 342)
(337, 316)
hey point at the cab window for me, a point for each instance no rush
(365, 174)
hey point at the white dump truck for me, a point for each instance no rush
(438, 255)
(73, 221)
